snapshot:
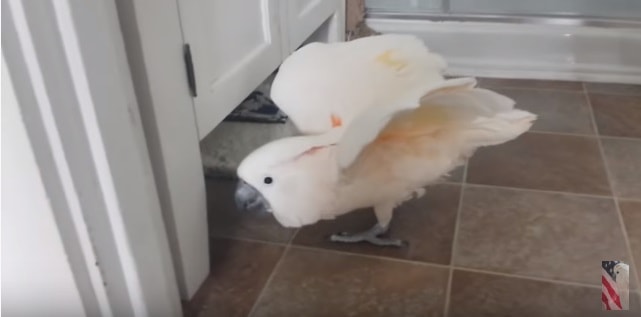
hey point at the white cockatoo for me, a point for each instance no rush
(379, 123)
(622, 280)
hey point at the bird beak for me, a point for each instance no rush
(248, 198)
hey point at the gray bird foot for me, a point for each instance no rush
(371, 236)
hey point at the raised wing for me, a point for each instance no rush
(325, 85)
(479, 117)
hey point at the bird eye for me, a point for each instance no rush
(268, 180)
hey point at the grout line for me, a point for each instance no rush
(269, 280)
(592, 135)
(272, 274)
(624, 231)
(448, 290)
(624, 94)
(627, 138)
(370, 256)
(443, 266)
(492, 87)
(585, 135)
(291, 239)
(615, 94)
(524, 277)
(626, 238)
(543, 191)
(280, 244)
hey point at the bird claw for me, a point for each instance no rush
(372, 236)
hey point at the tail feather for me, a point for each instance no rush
(503, 127)
(484, 117)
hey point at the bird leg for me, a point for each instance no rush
(373, 235)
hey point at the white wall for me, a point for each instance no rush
(36, 276)
(67, 62)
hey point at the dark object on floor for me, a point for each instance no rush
(257, 107)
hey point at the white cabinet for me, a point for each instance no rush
(304, 17)
(235, 45)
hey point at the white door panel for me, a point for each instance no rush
(305, 16)
(234, 45)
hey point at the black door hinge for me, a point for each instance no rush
(189, 64)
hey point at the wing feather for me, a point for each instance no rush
(324, 83)
(478, 117)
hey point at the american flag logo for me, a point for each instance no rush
(615, 277)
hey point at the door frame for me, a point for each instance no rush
(103, 89)
(67, 62)
(154, 41)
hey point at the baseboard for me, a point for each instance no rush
(507, 50)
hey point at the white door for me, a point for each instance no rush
(305, 16)
(234, 46)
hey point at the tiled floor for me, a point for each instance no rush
(520, 231)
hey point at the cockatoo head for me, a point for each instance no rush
(622, 274)
(293, 178)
